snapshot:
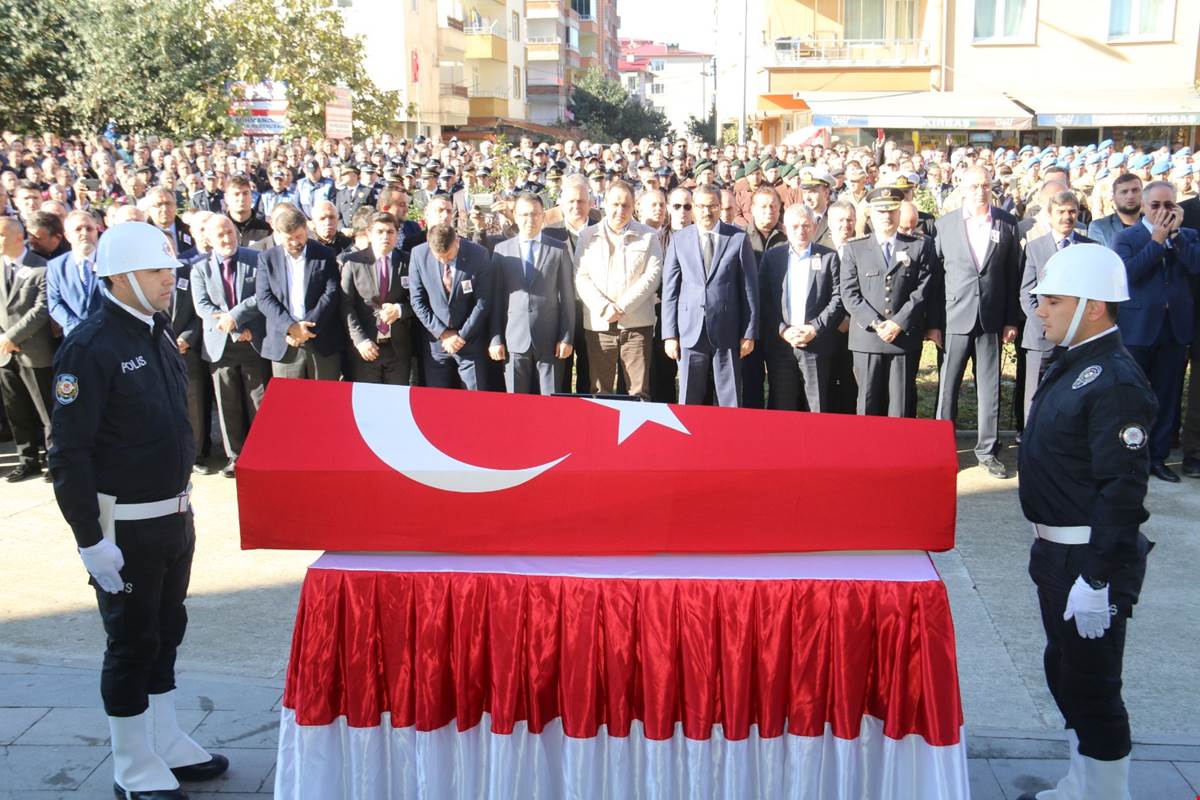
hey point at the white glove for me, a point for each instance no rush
(1090, 609)
(104, 561)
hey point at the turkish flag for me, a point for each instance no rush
(342, 466)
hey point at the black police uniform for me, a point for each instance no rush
(1084, 461)
(120, 427)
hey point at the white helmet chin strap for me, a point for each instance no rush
(137, 292)
(1073, 328)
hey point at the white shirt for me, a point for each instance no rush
(144, 317)
(524, 247)
(296, 285)
(84, 265)
(1094, 338)
(979, 229)
(886, 246)
(798, 273)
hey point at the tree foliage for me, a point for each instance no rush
(165, 65)
(703, 129)
(607, 112)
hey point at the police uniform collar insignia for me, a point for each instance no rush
(1133, 436)
(1088, 375)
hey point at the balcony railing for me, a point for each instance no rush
(810, 51)
(544, 40)
(449, 89)
(490, 28)
(478, 91)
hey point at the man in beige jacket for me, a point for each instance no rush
(618, 271)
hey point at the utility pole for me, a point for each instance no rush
(745, 67)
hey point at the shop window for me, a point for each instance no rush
(1005, 21)
(1140, 20)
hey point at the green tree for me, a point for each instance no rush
(304, 43)
(607, 112)
(153, 65)
(34, 76)
(703, 129)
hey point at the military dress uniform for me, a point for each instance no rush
(1084, 463)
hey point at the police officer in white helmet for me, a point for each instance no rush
(1084, 464)
(121, 454)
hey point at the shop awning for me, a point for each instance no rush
(917, 110)
(1114, 108)
(776, 103)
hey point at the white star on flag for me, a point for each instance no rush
(634, 415)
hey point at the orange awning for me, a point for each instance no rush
(781, 102)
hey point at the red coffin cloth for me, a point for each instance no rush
(739, 480)
(785, 655)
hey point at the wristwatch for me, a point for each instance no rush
(1095, 583)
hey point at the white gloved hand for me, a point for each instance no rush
(1090, 609)
(104, 562)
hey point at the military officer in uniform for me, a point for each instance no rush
(1084, 463)
(352, 196)
(886, 278)
(121, 455)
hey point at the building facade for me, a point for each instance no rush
(953, 71)
(566, 37)
(681, 82)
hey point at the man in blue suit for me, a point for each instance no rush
(1157, 321)
(709, 303)
(223, 293)
(296, 288)
(533, 322)
(450, 282)
(72, 288)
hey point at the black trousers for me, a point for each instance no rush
(393, 366)
(799, 379)
(887, 383)
(754, 373)
(1084, 675)
(843, 390)
(304, 362)
(579, 358)
(1164, 363)
(146, 622)
(25, 395)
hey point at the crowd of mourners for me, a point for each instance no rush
(764, 276)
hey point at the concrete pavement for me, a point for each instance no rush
(53, 736)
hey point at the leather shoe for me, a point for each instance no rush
(1191, 467)
(213, 768)
(1028, 796)
(200, 468)
(994, 467)
(227, 470)
(1164, 473)
(153, 794)
(22, 472)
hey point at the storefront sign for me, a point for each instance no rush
(925, 123)
(1116, 120)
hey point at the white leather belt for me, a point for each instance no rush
(1074, 534)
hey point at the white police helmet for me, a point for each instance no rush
(133, 246)
(1089, 271)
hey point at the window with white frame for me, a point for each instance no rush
(632, 82)
(1140, 20)
(517, 83)
(1005, 21)
(656, 88)
(657, 65)
(514, 29)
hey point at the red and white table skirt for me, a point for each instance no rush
(827, 675)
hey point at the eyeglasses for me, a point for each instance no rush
(1167, 204)
(683, 206)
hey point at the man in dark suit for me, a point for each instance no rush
(1127, 199)
(709, 303)
(574, 213)
(376, 307)
(1157, 323)
(885, 286)
(764, 232)
(162, 214)
(186, 325)
(72, 288)
(26, 348)
(394, 201)
(801, 309)
(979, 254)
(1063, 211)
(223, 295)
(450, 283)
(533, 320)
(297, 291)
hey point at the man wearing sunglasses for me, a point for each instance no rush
(1157, 323)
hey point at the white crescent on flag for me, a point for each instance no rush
(385, 421)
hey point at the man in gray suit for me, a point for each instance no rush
(885, 279)
(709, 303)
(801, 308)
(533, 319)
(26, 348)
(1127, 200)
(376, 307)
(979, 253)
(223, 293)
(1063, 212)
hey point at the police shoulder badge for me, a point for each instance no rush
(1133, 436)
(1088, 375)
(66, 388)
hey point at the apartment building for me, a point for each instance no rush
(680, 82)
(566, 37)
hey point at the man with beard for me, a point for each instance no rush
(1127, 200)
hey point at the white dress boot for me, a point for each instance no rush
(1069, 787)
(174, 746)
(136, 767)
(1104, 780)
